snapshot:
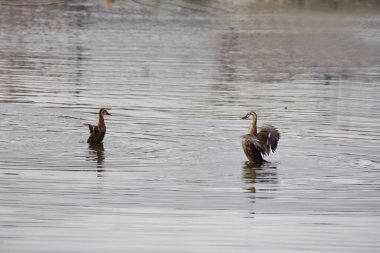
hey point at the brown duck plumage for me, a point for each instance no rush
(255, 145)
(97, 132)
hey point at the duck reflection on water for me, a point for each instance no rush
(254, 173)
(96, 153)
(259, 181)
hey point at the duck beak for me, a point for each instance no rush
(107, 113)
(245, 117)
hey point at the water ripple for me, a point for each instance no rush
(171, 175)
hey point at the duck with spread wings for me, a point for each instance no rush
(255, 145)
(97, 132)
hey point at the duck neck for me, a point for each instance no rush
(253, 127)
(101, 122)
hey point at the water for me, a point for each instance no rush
(171, 175)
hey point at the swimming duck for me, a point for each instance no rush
(255, 145)
(97, 132)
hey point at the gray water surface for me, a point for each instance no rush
(171, 174)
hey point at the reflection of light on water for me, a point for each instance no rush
(367, 164)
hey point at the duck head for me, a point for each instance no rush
(103, 111)
(250, 115)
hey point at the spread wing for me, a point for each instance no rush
(92, 128)
(269, 137)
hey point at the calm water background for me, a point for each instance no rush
(178, 76)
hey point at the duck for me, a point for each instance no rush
(256, 145)
(97, 132)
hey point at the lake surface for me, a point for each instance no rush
(171, 174)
